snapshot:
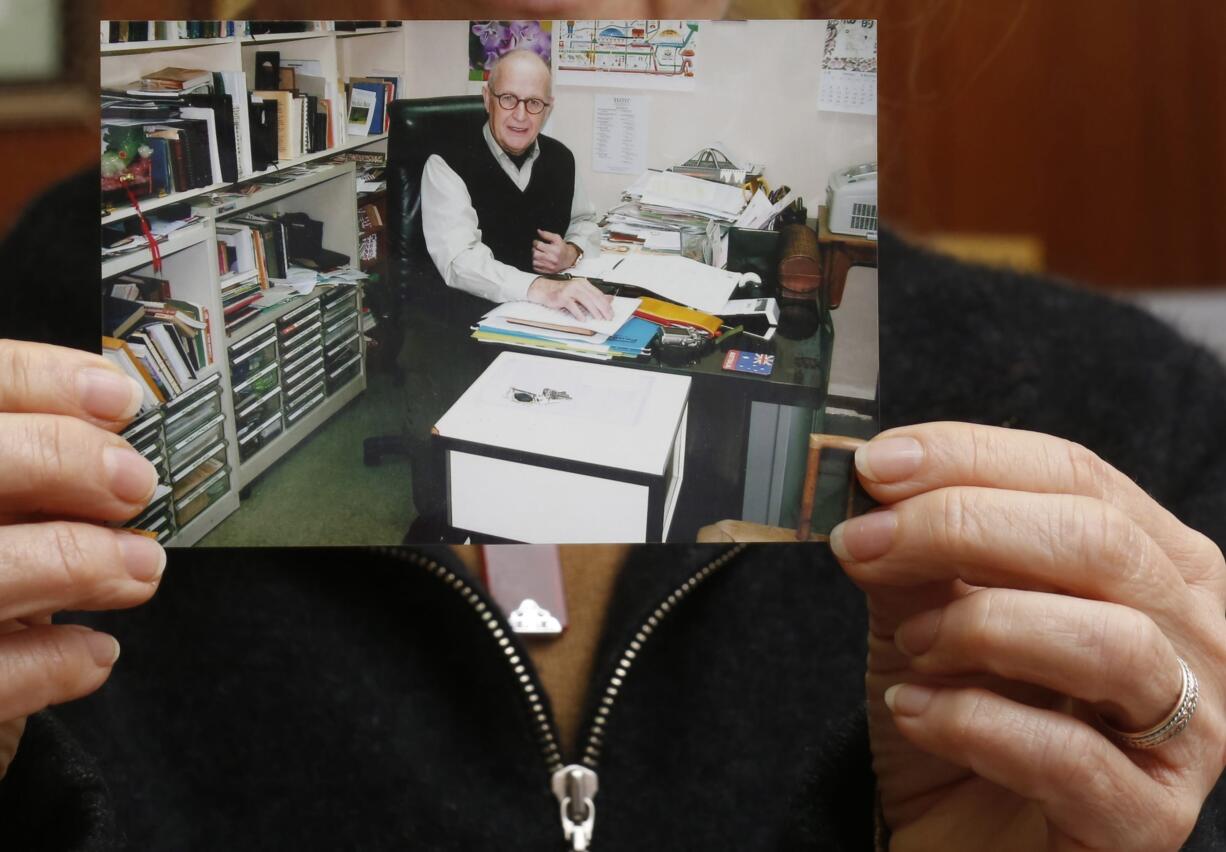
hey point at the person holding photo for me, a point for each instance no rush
(1043, 595)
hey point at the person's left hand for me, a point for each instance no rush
(551, 253)
(1018, 589)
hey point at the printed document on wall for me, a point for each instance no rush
(619, 134)
(849, 68)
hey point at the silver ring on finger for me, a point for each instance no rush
(1175, 723)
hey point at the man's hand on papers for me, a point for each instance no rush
(63, 468)
(552, 254)
(578, 297)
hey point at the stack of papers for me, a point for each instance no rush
(660, 206)
(673, 191)
(532, 326)
(678, 279)
(759, 213)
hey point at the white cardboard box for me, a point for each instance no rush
(605, 465)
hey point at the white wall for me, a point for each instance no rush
(756, 93)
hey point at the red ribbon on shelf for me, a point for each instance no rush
(154, 251)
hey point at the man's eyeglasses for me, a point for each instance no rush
(534, 106)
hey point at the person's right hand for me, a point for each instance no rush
(62, 469)
(578, 297)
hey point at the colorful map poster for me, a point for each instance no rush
(660, 55)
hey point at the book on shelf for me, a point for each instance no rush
(205, 29)
(170, 345)
(267, 69)
(140, 288)
(192, 315)
(384, 90)
(246, 300)
(143, 346)
(123, 32)
(361, 112)
(241, 318)
(234, 84)
(224, 130)
(120, 315)
(285, 121)
(211, 149)
(272, 243)
(118, 352)
(187, 157)
(175, 79)
(263, 122)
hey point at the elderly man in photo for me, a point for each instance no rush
(500, 218)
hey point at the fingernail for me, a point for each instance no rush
(108, 395)
(917, 635)
(103, 647)
(889, 459)
(142, 556)
(908, 699)
(864, 538)
(131, 476)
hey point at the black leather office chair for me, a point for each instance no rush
(419, 128)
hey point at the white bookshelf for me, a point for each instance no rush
(161, 44)
(327, 193)
(341, 55)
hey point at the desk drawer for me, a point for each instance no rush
(298, 323)
(258, 409)
(189, 419)
(252, 355)
(144, 429)
(303, 376)
(310, 398)
(342, 330)
(189, 474)
(338, 296)
(343, 349)
(158, 518)
(188, 400)
(258, 435)
(303, 342)
(211, 483)
(256, 385)
(339, 306)
(344, 372)
(190, 446)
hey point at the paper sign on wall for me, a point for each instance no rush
(619, 134)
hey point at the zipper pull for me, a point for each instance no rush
(575, 786)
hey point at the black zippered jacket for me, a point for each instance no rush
(344, 699)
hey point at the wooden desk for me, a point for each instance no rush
(838, 254)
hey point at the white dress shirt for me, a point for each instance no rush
(453, 234)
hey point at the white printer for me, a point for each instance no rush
(851, 201)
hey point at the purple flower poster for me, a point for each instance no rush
(488, 40)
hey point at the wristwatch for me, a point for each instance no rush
(580, 257)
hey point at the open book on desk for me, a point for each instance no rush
(678, 279)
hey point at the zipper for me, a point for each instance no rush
(573, 785)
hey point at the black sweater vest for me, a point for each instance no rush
(507, 217)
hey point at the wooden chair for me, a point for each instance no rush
(748, 531)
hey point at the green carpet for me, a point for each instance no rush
(320, 492)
